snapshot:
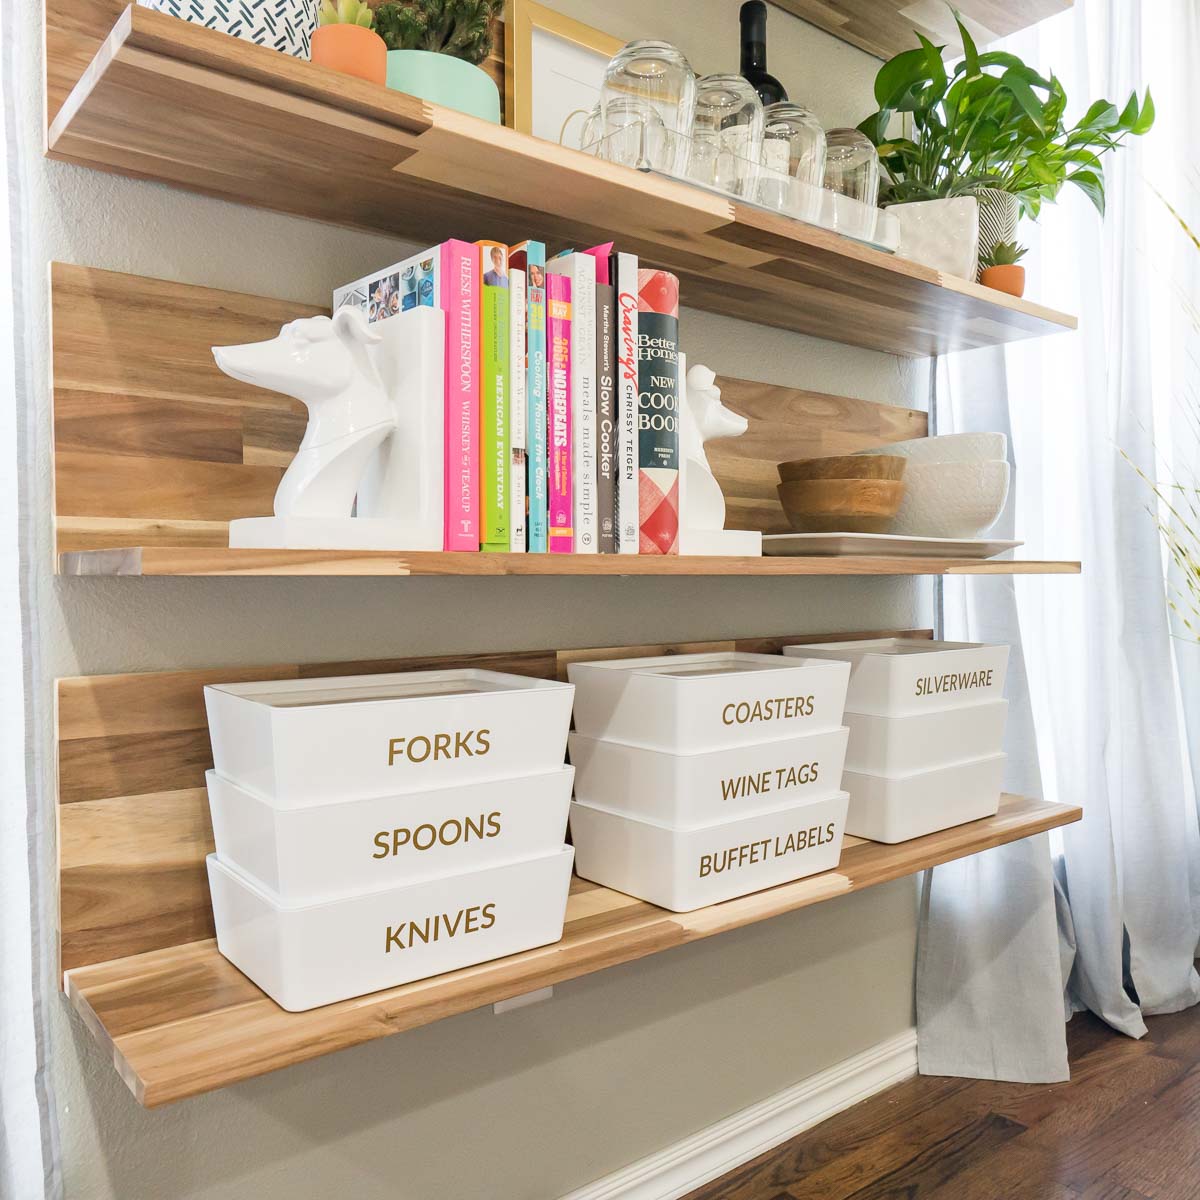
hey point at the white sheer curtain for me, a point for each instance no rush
(1106, 700)
(27, 1160)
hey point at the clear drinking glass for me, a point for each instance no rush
(727, 134)
(852, 165)
(793, 159)
(657, 74)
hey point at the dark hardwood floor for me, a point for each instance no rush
(1127, 1127)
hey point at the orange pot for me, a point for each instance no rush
(1008, 278)
(352, 50)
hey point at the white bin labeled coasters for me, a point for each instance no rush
(686, 869)
(899, 807)
(315, 954)
(687, 790)
(685, 703)
(303, 741)
(899, 677)
(899, 745)
(322, 851)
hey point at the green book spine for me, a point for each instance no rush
(494, 416)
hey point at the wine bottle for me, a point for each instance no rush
(754, 53)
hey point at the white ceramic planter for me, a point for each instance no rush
(303, 957)
(686, 703)
(690, 790)
(323, 851)
(284, 25)
(899, 807)
(901, 745)
(304, 741)
(899, 677)
(943, 234)
(686, 869)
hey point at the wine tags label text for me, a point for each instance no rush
(777, 779)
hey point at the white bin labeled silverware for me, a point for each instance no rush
(899, 677)
(304, 741)
(319, 852)
(895, 808)
(689, 790)
(684, 703)
(315, 954)
(686, 869)
(900, 745)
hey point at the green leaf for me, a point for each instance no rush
(1102, 115)
(900, 77)
(1091, 183)
(1144, 122)
(970, 51)
(1018, 84)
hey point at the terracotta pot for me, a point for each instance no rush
(1008, 278)
(352, 50)
(844, 466)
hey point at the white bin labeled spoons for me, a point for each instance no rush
(686, 869)
(895, 808)
(899, 745)
(311, 740)
(898, 677)
(315, 954)
(689, 790)
(685, 703)
(304, 854)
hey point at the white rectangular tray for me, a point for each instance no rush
(303, 957)
(686, 869)
(684, 703)
(323, 851)
(899, 677)
(311, 741)
(684, 791)
(901, 745)
(891, 545)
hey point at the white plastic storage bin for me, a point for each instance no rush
(898, 745)
(899, 677)
(309, 955)
(315, 852)
(899, 807)
(305, 741)
(685, 703)
(689, 790)
(686, 869)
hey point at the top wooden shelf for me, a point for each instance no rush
(167, 100)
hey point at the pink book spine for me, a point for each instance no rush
(558, 358)
(460, 300)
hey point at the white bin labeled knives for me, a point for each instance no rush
(687, 869)
(898, 677)
(899, 745)
(309, 955)
(312, 740)
(894, 808)
(312, 852)
(689, 790)
(687, 703)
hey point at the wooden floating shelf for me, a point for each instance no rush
(167, 100)
(182, 1021)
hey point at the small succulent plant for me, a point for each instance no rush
(1002, 254)
(460, 28)
(346, 12)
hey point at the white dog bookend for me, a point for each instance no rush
(376, 425)
(704, 418)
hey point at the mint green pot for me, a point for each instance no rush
(443, 79)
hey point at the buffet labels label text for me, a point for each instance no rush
(765, 849)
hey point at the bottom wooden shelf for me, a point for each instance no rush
(182, 1021)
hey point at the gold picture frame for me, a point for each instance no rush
(524, 20)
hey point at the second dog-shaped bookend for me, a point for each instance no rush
(374, 395)
(704, 418)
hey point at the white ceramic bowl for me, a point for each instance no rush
(951, 499)
(950, 447)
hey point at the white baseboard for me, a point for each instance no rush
(675, 1170)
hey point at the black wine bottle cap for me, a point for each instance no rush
(754, 20)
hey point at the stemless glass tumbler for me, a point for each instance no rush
(655, 74)
(852, 165)
(727, 134)
(793, 159)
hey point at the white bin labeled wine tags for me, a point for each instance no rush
(686, 869)
(898, 677)
(685, 703)
(302, 741)
(900, 745)
(306, 956)
(322, 851)
(688, 790)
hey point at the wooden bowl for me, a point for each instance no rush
(844, 466)
(841, 505)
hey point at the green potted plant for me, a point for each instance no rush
(989, 132)
(1000, 268)
(344, 40)
(435, 48)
